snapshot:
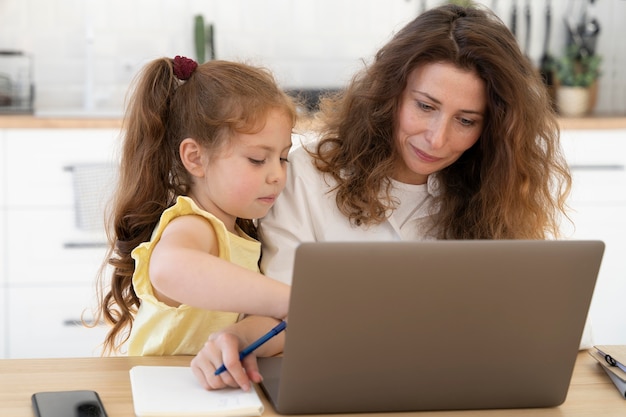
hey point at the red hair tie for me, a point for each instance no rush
(184, 67)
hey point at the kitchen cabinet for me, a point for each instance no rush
(48, 264)
(50, 261)
(598, 201)
(3, 262)
(45, 321)
(46, 248)
(3, 161)
(3, 338)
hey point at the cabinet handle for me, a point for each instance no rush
(597, 167)
(79, 322)
(84, 245)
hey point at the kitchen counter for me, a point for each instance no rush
(593, 123)
(34, 122)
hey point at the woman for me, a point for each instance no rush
(448, 134)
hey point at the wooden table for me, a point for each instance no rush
(591, 392)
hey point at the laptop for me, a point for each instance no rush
(434, 325)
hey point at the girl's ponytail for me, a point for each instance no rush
(174, 99)
(144, 189)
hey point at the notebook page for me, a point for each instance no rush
(160, 391)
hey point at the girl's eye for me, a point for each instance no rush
(285, 160)
(257, 161)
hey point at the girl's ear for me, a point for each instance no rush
(192, 157)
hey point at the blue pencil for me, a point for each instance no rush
(256, 344)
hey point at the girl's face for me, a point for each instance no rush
(244, 179)
(440, 115)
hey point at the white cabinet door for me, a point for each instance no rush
(44, 240)
(42, 248)
(3, 294)
(3, 246)
(3, 167)
(3, 337)
(598, 200)
(36, 171)
(608, 309)
(44, 322)
(594, 147)
(3, 260)
(49, 263)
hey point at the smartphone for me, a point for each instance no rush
(81, 403)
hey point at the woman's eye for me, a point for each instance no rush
(466, 122)
(424, 106)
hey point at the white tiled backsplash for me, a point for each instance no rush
(87, 51)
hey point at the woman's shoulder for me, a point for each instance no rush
(302, 162)
(305, 183)
(302, 151)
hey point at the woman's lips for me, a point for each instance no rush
(425, 157)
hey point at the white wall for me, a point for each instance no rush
(86, 51)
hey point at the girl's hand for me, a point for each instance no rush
(223, 348)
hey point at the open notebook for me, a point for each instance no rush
(438, 325)
(174, 391)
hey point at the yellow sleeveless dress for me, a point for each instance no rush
(159, 329)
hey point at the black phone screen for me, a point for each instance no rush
(82, 403)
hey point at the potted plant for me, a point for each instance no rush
(576, 74)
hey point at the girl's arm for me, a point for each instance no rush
(223, 347)
(185, 269)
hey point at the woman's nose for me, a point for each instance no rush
(437, 133)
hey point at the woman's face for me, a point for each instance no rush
(440, 115)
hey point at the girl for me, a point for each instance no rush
(205, 153)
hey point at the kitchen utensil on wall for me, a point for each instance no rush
(574, 36)
(588, 28)
(513, 25)
(583, 31)
(546, 62)
(6, 90)
(16, 86)
(527, 19)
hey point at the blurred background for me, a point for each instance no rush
(82, 54)
(70, 63)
